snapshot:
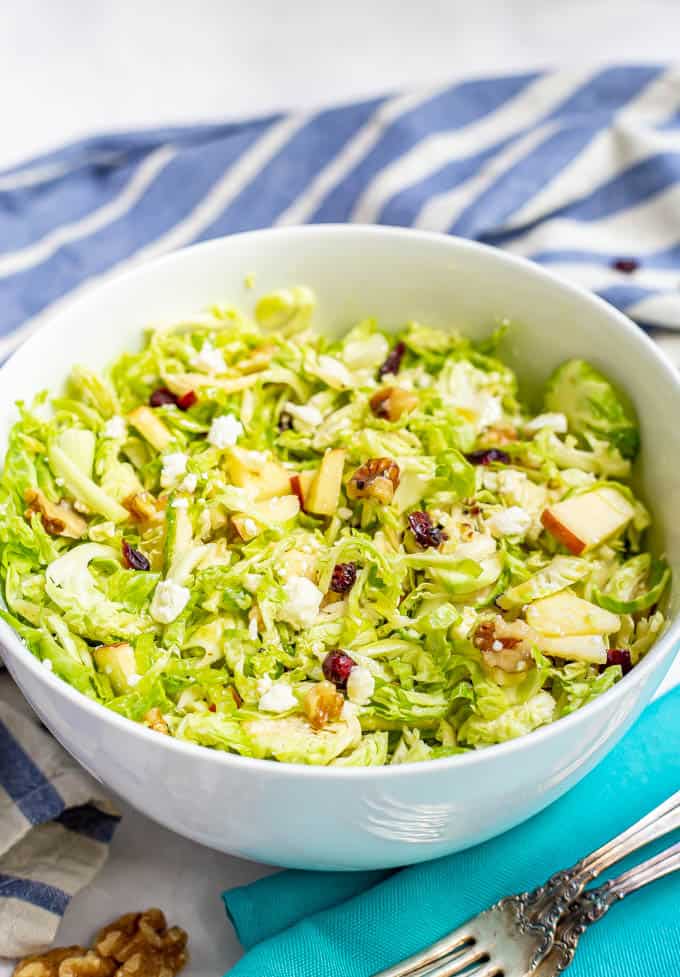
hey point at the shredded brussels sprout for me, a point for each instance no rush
(344, 552)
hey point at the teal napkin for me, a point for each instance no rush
(308, 924)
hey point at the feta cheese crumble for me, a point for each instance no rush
(556, 422)
(514, 521)
(188, 483)
(169, 600)
(303, 600)
(279, 698)
(174, 466)
(115, 427)
(209, 359)
(225, 431)
(360, 685)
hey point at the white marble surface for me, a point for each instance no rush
(79, 66)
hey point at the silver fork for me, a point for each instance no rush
(593, 904)
(513, 936)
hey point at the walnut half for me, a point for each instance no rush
(58, 518)
(377, 479)
(323, 704)
(505, 644)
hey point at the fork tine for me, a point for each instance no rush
(458, 964)
(417, 964)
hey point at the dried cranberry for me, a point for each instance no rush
(187, 400)
(344, 576)
(485, 456)
(134, 559)
(393, 360)
(426, 534)
(619, 656)
(212, 707)
(285, 421)
(336, 667)
(626, 265)
(162, 396)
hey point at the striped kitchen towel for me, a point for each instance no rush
(55, 829)
(578, 169)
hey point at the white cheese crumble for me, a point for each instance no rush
(209, 359)
(556, 422)
(514, 521)
(115, 427)
(250, 527)
(302, 602)
(497, 646)
(279, 698)
(174, 465)
(225, 431)
(188, 483)
(306, 414)
(180, 504)
(360, 685)
(133, 679)
(169, 600)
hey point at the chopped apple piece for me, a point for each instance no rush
(584, 648)
(324, 492)
(277, 510)
(566, 614)
(300, 484)
(583, 522)
(264, 478)
(150, 427)
(118, 662)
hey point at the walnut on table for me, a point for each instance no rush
(136, 945)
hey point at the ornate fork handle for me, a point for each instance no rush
(538, 912)
(591, 906)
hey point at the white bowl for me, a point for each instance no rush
(312, 817)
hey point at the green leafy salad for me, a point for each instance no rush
(345, 552)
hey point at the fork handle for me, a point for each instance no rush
(592, 906)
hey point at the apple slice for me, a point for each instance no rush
(583, 522)
(583, 648)
(566, 614)
(324, 492)
(150, 427)
(300, 484)
(264, 478)
(278, 510)
(118, 662)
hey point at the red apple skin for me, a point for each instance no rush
(296, 489)
(562, 533)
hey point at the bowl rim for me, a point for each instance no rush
(671, 636)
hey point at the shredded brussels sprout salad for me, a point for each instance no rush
(342, 552)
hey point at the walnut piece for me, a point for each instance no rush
(323, 704)
(47, 964)
(377, 479)
(505, 644)
(142, 506)
(143, 945)
(58, 518)
(136, 945)
(154, 720)
(391, 403)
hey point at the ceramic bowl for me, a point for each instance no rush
(311, 817)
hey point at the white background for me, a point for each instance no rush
(69, 68)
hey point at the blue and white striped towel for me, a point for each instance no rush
(577, 169)
(55, 829)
